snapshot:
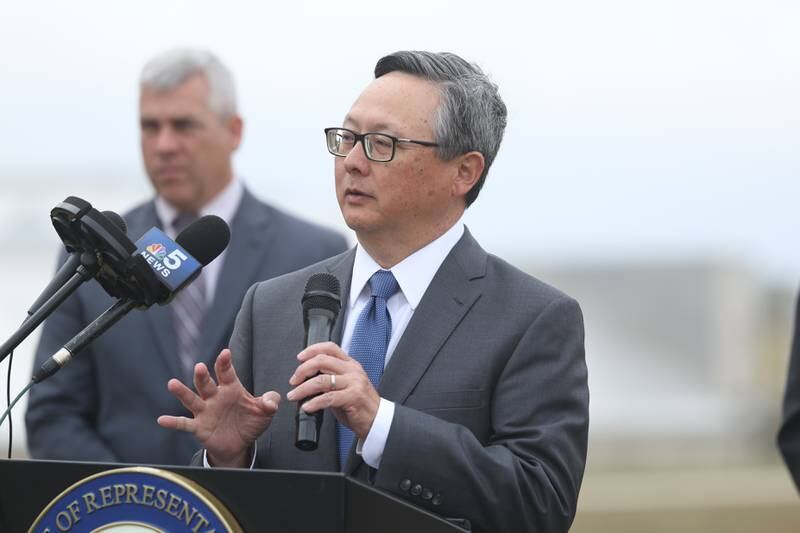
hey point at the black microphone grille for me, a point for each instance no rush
(205, 238)
(322, 291)
(116, 220)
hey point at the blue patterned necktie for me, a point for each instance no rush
(368, 345)
(189, 312)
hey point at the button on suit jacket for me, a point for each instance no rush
(490, 386)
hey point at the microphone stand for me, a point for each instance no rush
(85, 272)
(110, 317)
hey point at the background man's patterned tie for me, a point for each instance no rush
(189, 311)
(368, 345)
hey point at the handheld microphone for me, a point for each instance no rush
(321, 305)
(161, 267)
(63, 275)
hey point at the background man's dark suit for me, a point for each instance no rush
(789, 435)
(490, 383)
(103, 406)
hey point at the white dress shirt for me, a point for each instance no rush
(413, 275)
(224, 205)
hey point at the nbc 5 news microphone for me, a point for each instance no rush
(158, 269)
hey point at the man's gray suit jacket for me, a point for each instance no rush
(490, 385)
(103, 406)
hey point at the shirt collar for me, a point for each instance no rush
(224, 205)
(414, 273)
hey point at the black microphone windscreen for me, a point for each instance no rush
(79, 203)
(322, 291)
(205, 238)
(116, 220)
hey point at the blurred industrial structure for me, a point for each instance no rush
(687, 360)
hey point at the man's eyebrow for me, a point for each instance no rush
(177, 119)
(185, 120)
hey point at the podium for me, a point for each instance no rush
(269, 501)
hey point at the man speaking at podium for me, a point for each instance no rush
(481, 411)
(102, 406)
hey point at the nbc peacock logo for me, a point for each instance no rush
(165, 257)
(157, 250)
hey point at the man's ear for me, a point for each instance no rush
(469, 168)
(235, 126)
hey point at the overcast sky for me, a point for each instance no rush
(637, 130)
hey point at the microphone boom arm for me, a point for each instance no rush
(84, 273)
(87, 335)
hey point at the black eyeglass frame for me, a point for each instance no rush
(360, 137)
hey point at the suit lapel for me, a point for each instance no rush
(158, 317)
(159, 320)
(342, 268)
(452, 293)
(449, 297)
(242, 261)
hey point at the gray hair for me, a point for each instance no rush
(471, 115)
(170, 69)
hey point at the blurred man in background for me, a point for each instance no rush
(103, 406)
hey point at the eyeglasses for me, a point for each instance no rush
(377, 146)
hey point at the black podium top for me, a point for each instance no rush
(261, 500)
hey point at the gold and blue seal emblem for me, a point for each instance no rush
(135, 500)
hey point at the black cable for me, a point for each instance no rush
(8, 401)
(7, 412)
